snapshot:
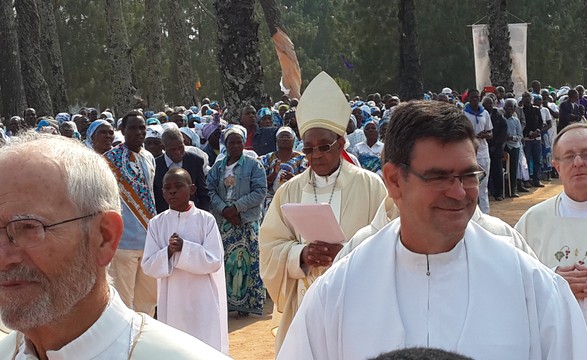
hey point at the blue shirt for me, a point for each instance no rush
(515, 130)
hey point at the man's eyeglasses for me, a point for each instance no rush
(29, 233)
(322, 148)
(444, 182)
(568, 159)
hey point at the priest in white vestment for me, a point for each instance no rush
(3, 330)
(556, 227)
(432, 277)
(288, 263)
(57, 241)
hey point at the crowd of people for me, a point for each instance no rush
(182, 210)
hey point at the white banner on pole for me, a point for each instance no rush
(518, 37)
(481, 53)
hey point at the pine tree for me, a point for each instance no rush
(11, 86)
(178, 34)
(52, 52)
(499, 45)
(410, 72)
(152, 23)
(238, 55)
(120, 57)
(29, 41)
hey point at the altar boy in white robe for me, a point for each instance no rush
(184, 252)
(432, 277)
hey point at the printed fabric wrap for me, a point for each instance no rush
(132, 184)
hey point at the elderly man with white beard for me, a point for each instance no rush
(60, 225)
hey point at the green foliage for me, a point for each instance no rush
(356, 41)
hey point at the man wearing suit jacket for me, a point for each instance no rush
(176, 156)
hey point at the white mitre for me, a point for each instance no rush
(324, 106)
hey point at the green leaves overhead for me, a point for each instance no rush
(354, 40)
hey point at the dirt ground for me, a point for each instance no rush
(251, 338)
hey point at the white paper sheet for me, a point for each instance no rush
(314, 222)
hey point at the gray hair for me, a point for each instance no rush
(487, 98)
(510, 101)
(90, 183)
(171, 134)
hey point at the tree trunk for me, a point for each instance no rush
(291, 77)
(238, 55)
(155, 90)
(410, 73)
(499, 45)
(52, 51)
(120, 57)
(178, 35)
(11, 86)
(29, 40)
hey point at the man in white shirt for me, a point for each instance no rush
(432, 277)
(555, 228)
(60, 225)
(481, 121)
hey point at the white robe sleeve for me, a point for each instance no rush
(205, 258)
(306, 337)
(563, 333)
(155, 261)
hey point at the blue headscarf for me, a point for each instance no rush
(262, 113)
(385, 121)
(62, 117)
(93, 127)
(366, 112)
(153, 121)
(370, 121)
(234, 129)
(43, 123)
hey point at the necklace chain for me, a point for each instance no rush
(333, 187)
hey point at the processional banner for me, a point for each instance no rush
(518, 43)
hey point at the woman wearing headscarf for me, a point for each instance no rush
(238, 186)
(283, 164)
(46, 126)
(383, 129)
(62, 117)
(82, 123)
(369, 151)
(264, 117)
(100, 136)
(190, 138)
(211, 132)
(68, 129)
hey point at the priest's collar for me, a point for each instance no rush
(323, 181)
(415, 261)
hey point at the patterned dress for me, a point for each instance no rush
(244, 287)
(296, 165)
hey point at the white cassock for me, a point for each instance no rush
(558, 239)
(483, 299)
(191, 287)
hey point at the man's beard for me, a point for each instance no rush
(59, 294)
